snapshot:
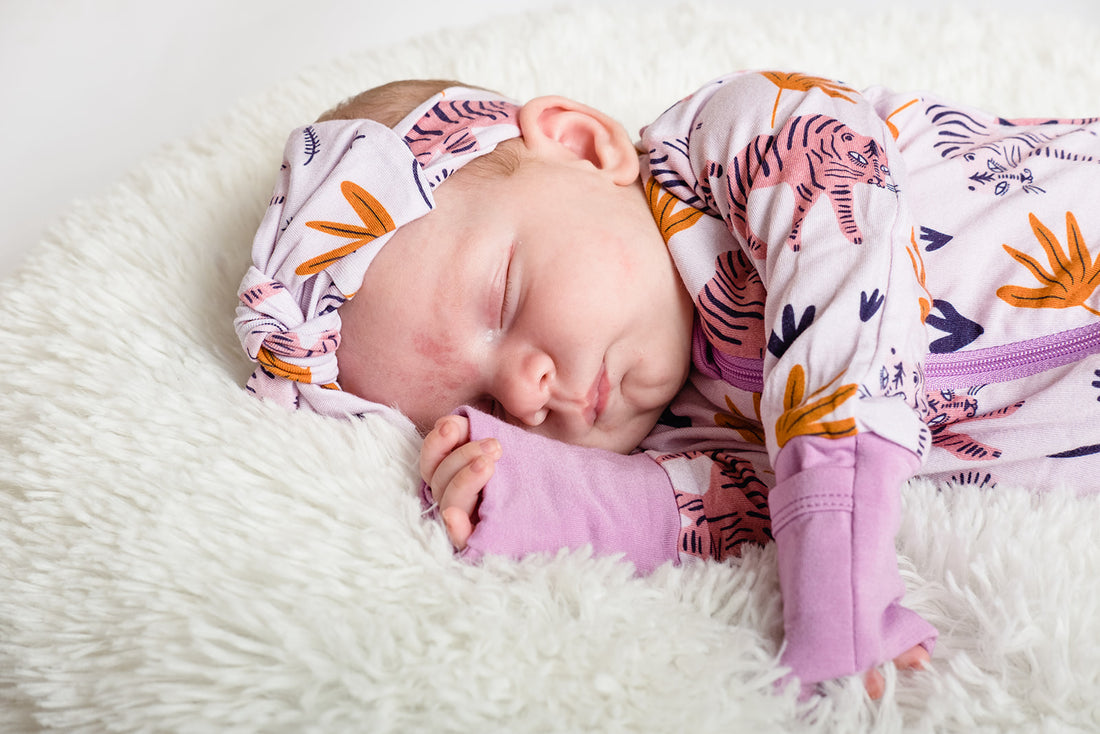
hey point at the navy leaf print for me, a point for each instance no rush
(869, 304)
(959, 329)
(935, 239)
(1080, 451)
(312, 144)
(777, 345)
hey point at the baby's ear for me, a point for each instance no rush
(558, 127)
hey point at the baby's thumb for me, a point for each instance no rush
(459, 527)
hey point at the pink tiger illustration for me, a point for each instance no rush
(289, 344)
(260, 293)
(816, 156)
(733, 510)
(731, 307)
(997, 153)
(948, 410)
(447, 127)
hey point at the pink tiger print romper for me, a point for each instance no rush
(871, 265)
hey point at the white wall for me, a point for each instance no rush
(89, 87)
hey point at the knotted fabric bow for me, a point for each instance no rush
(344, 188)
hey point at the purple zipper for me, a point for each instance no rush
(957, 369)
(1011, 361)
(740, 372)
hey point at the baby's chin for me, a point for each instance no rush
(623, 438)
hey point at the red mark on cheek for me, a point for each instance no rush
(448, 378)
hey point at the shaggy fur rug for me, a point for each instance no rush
(176, 556)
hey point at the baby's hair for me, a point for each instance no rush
(390, 103)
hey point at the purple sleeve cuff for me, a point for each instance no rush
(835, 511)
(546, 495)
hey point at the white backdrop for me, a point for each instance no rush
(89, 87)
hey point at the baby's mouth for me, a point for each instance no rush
(597, 396)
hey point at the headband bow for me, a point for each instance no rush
(344, 188)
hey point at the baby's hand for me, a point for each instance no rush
(457, 470)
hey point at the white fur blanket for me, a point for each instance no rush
(176, 556)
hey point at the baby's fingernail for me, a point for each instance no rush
(489, 445)
(444, 427)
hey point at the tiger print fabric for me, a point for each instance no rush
(884, 284)
(877, 262)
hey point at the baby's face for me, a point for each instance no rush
(546, 297)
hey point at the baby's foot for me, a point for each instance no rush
(912, 659)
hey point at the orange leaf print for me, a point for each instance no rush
(918, 268)
(894, 128)
(1074, 276)
(801, 415)
(281, 368)
(663, 206)
(376, 222)
(804, 83)
(750, 429)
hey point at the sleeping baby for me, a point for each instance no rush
(754, 325)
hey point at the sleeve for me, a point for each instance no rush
(546, 495)
(812, 188)
(652, 507)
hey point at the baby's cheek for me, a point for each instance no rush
(448, 376)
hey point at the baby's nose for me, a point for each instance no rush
(525, 388)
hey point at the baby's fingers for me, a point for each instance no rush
(457, 461)
(912, 659)
(874, 683)
(450, 432)
(459, 499)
